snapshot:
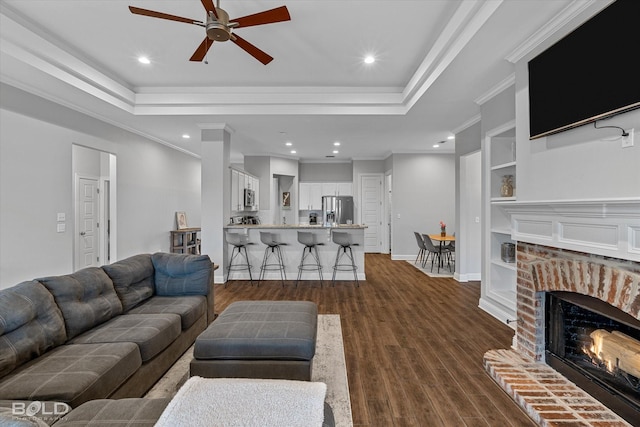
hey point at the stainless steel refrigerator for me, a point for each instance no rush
(337, 210)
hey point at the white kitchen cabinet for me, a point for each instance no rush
(329, 188)
(310, 193)
(239, 182)
(344, 189)
(235, 201)
(310, 196)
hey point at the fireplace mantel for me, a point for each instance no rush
(608, 227)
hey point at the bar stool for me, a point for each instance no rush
(239, 242)
(310, 242)
(343, 240)
(272, 249)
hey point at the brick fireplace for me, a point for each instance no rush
(584, 249)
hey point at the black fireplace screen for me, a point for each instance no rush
(597, 347)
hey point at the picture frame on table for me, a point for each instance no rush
(181, 220)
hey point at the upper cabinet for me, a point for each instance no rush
(311, 193)
(310, 196)
(241, 181)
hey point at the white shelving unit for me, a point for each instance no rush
(498, 293)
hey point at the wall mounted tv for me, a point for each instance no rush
(588, 75)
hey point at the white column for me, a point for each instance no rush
(215, 193)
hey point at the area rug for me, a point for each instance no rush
(329, 367)
(444, 271)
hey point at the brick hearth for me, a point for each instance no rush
(547, 396)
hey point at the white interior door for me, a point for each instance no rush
(87, 236)
(371, 211)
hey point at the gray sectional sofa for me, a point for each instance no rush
(108, 332)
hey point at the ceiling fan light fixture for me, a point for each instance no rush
(369, 59)
(144, 60)
(218, 29)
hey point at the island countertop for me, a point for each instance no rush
(292, 250)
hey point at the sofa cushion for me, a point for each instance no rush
(189, 308)
(151, 332)
(73, 373)
(86, 298)
(178, 274)
(30, 324)
(132, 279)
(116, 412)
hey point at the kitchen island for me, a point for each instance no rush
(292, 251)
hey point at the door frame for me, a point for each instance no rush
(387, 223)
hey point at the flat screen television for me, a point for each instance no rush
(588, 75)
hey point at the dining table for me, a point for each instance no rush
(441, 239)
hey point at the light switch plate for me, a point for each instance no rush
(61, 228)
(61, 216)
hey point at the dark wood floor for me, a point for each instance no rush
(413, 345)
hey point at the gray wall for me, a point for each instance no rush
(423, 195)
(583, 163)
(325, 172)
(36, 182)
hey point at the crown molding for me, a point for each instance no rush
(555, 24)
(472, 121)
(501, 86)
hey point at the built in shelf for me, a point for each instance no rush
(503, 166)
(507, 265)
(506, 231)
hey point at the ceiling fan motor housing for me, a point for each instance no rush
(217, 29)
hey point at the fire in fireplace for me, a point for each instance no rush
(597, 346)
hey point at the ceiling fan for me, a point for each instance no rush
(219, 28)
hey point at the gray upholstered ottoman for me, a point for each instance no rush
(259, 339)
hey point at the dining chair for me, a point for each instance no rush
(422, 247)
(434, 251)
(452, 250)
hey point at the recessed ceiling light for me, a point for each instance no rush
(369, 59)
(451, 137)
(186, 136)
(337, 143)
(288, 144)
(436, 145)
(144, 60)
(335, 151)
(293, 151)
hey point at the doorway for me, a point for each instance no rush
(469, 240)
(371, 213)
(94, 173)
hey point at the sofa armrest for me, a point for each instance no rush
(180, 274)
(211, 314)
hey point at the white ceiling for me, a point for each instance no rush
(436, 61)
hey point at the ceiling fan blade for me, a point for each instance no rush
(278, 14)
(209, 7)
(252, 50)
(202, 50)
(154, 14)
